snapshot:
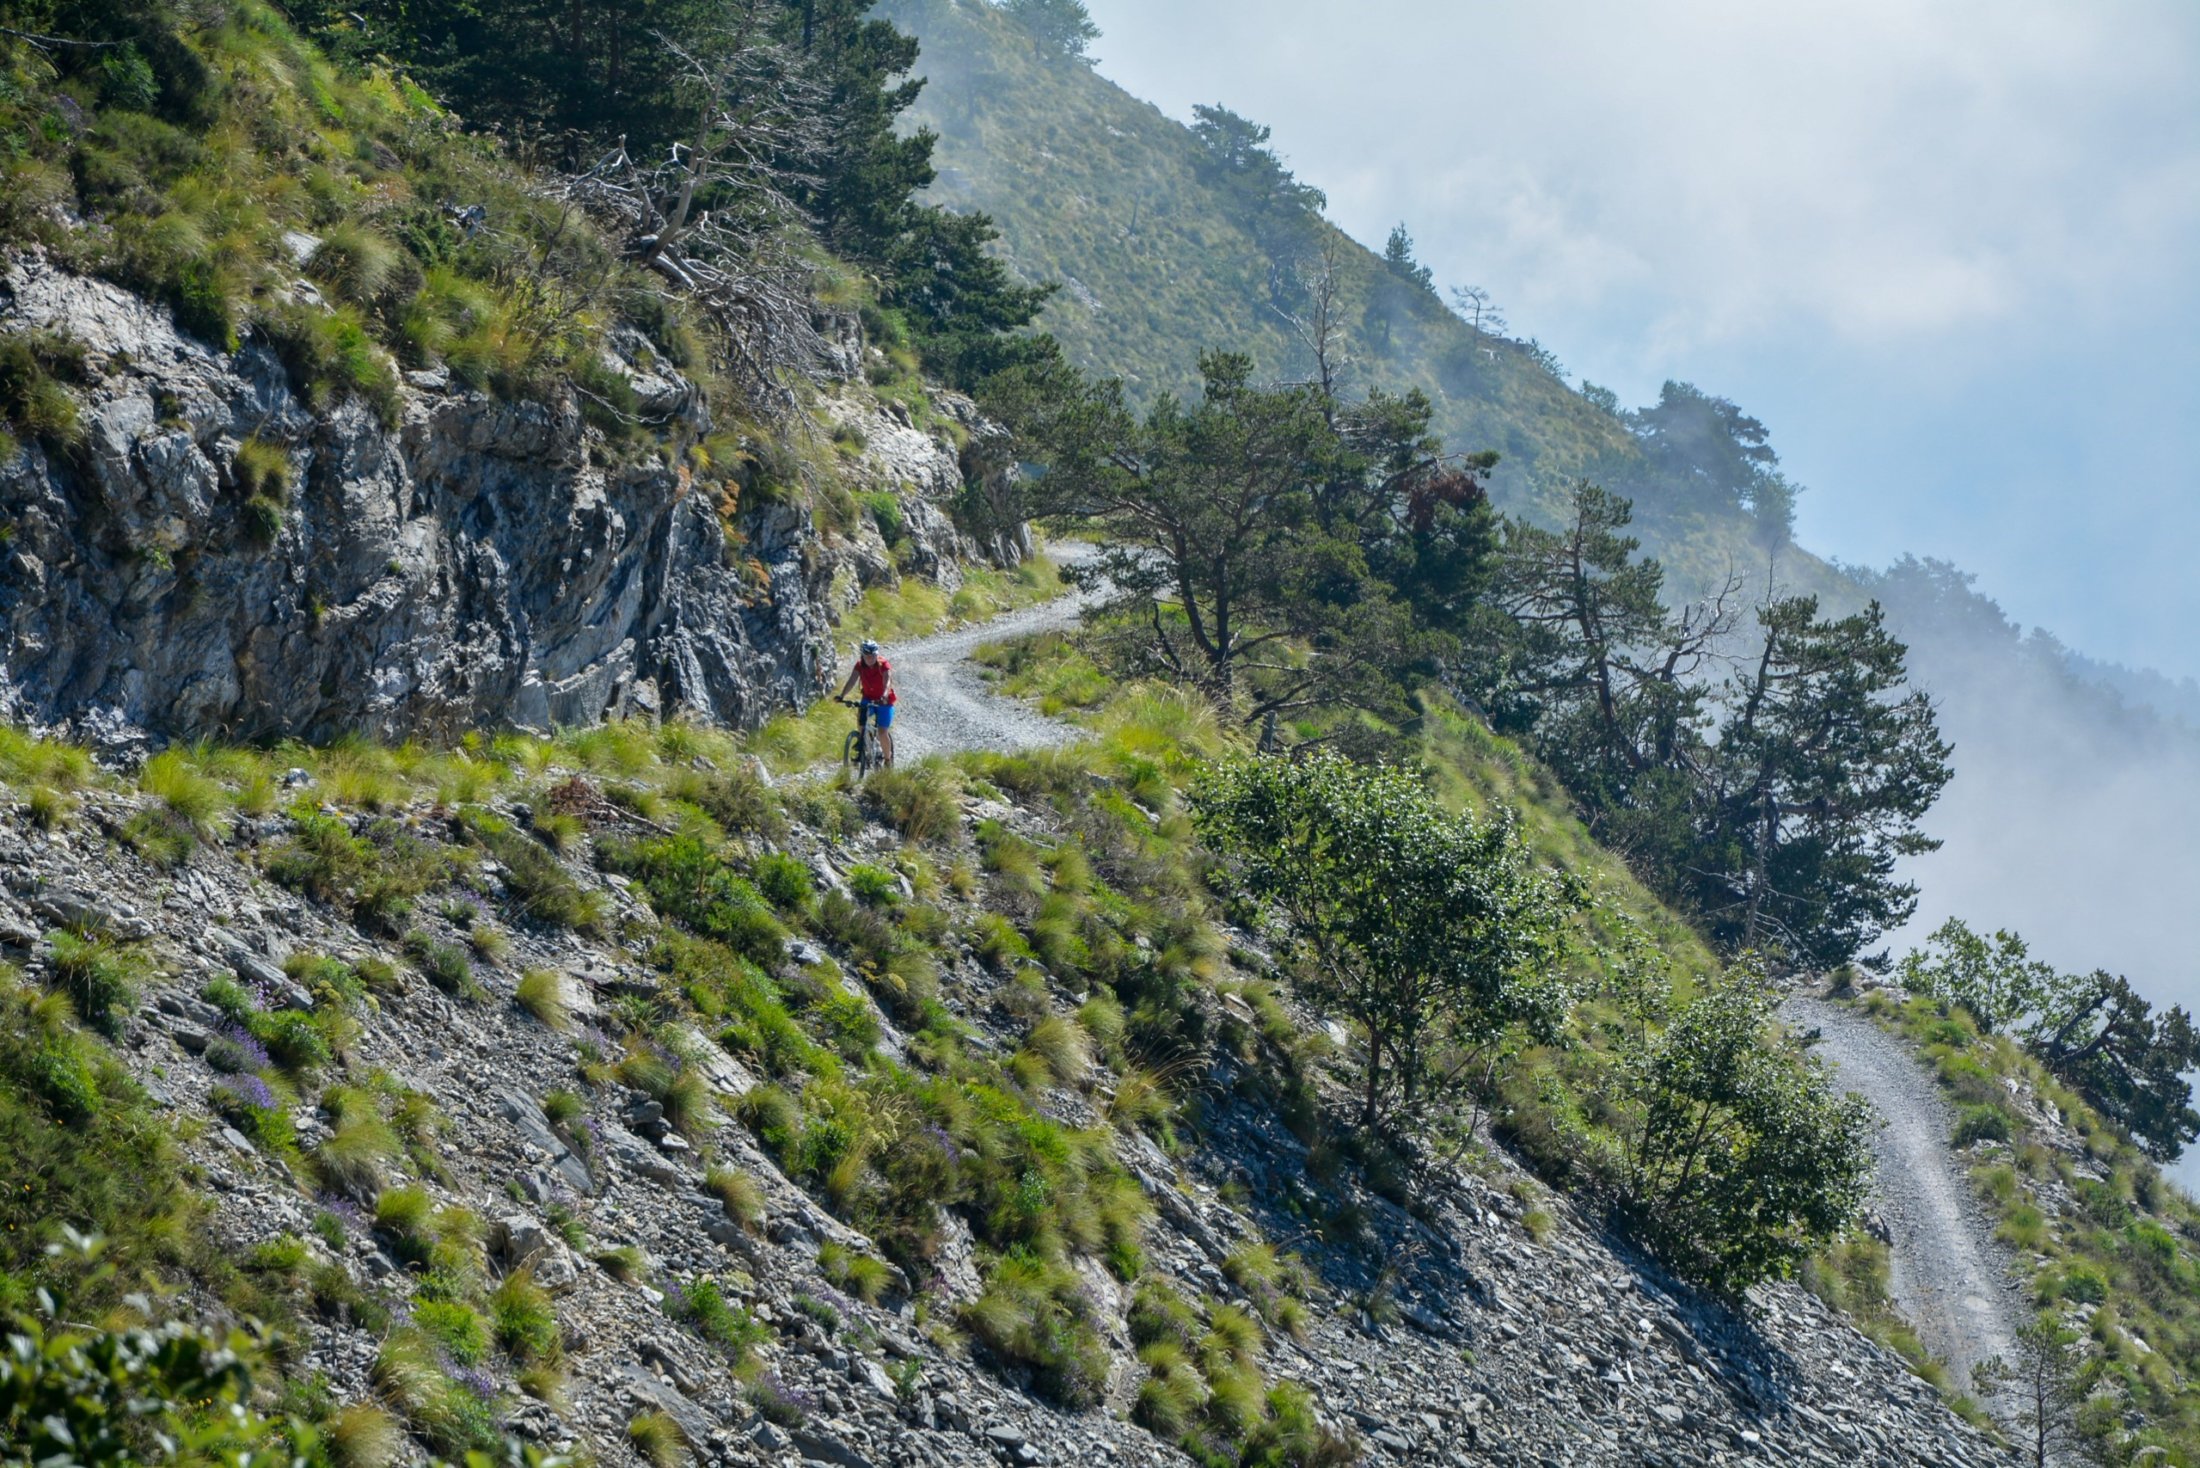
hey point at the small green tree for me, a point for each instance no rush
(1734, 1159)
(2094, 1031)
(1435, 934)
(2042, 1388)
(2126, 1057)
(1212, 544)
(1995, 978)
(1825, 765)
(1063, 29)
(1398, 256)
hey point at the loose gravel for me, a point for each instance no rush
(1950, 1279)
(946, 706)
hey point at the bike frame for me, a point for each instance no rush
(864, 747)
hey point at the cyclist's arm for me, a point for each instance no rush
(849, 684)
(889, 695)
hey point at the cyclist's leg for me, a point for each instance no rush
(885, 715)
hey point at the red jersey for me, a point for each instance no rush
(872, 677)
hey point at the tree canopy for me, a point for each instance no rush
(1433, 933)
(1734, 1156)
(1767, 782)
(1062, 28)
(1261, 536)
(2092, 1031)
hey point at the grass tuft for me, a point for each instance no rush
(541, 993)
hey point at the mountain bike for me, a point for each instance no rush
(860, 752)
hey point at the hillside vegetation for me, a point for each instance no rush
(2108, 1248)
(594, 1089)
(1169, 241)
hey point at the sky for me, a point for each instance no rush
(1947, 250)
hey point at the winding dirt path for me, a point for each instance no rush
(1950, 1279)
(947, 706)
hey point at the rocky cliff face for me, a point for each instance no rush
(478, 563)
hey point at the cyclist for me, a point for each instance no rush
(877, 677)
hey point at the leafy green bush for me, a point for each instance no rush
(1431, 932)
(295, 1039)
(727, 1325)
(874, 886)
(330, 981)
(784, 880)
(457, 1327)
(173, 1393)
(686, 878)
(1733, 1156)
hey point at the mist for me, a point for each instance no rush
(2074, 815)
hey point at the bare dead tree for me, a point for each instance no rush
(1320, 326)
(715, 218)
(1473, 305)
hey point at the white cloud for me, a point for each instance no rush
(1704, 170)
(1943, 248)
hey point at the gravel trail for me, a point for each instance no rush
(946, 706)
(1950, 1279)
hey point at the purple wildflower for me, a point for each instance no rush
(775, 1401)
(237, 1049)
(676, 1299)
(477, 1381)
(344, 1211)
(247, 1091)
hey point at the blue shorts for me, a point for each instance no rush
(882, 714)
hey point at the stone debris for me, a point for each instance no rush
(1442, 1335)
(470, 563)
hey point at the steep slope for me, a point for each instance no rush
(2105, 1253)
(561, 1094)
(2066, 804)
(1100, 191)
